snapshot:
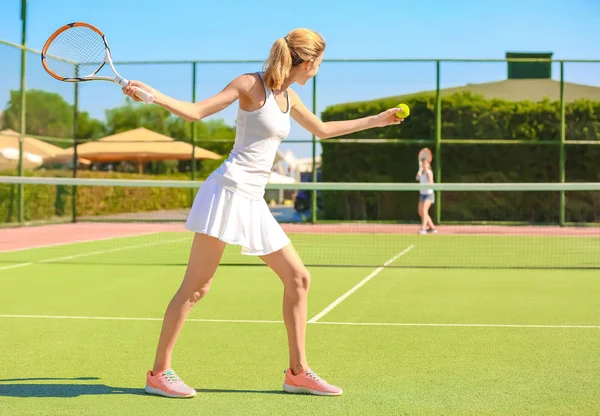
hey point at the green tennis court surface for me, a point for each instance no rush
(453, 325)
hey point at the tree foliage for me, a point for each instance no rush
(48, 114)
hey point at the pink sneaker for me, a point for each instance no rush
(168, 384)
(308, 382)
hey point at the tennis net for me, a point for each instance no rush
(479, 225)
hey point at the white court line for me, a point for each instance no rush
(122, 318)
(14, 266)
(92, 253)
(246, 321)
(458, 325)
(91, 240)
(358, 285)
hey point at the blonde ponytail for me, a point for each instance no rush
(300, 45)
(277, 67)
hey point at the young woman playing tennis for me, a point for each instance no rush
(230, 207)
(426, 198)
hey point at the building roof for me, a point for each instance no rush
(524, 89)
(529, 79)
(10, 138)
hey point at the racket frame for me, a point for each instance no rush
(117, 79)
(424, 154)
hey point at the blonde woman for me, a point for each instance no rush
(230, 208)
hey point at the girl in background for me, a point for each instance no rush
(426, 198)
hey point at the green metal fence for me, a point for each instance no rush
(437, 142)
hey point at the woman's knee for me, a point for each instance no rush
(200, 292)
(299, 282)
(193, 293)
(205, 255)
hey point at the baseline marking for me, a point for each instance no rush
(127, 318)
(248, 321)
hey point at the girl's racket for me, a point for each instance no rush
(77, 52)
(425, 154)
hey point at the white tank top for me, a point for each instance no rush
(258, 135)
(423, 179)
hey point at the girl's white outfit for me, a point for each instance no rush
(230, 204)
(424, 178)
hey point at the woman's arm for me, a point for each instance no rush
(326, 130)
(420, 171)
(237, 88)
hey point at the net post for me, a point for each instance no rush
(22, 130)
(313, 194)
(438, 140)
(562, 162)
(75, 156)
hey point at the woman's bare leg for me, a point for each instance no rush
(204, 259)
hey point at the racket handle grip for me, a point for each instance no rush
(145, 96)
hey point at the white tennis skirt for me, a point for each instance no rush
(235, 219)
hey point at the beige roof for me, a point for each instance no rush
(524, 89)
(138, 144)
(10, 138)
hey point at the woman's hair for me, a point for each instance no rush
(298, 46)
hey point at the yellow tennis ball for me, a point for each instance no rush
(405, 111)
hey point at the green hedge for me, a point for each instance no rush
(466, 116)
(46, 202)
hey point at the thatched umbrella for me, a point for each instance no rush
(140, 145)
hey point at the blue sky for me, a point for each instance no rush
(235, 29)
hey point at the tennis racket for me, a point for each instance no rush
(77, 52)
(425, 154)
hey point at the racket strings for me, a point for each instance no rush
(80, 52)
(425, 154)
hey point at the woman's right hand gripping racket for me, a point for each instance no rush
(77, 52)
